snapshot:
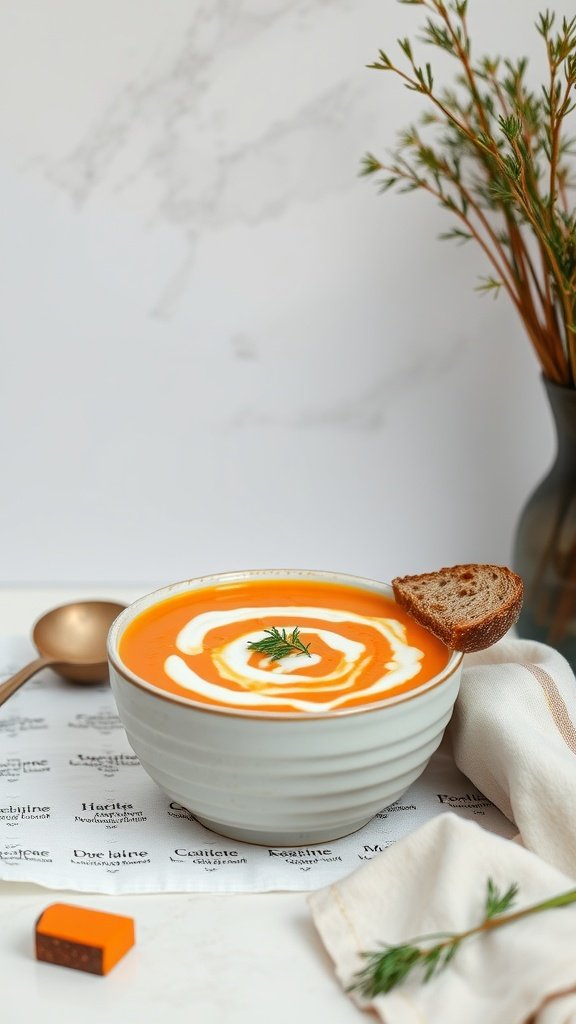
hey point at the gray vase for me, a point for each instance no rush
(545, 541)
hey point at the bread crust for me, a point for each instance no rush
(455, 629)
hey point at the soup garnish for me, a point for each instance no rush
(281, 645)
(277, 644)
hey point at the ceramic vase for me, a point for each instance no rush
(545, 541)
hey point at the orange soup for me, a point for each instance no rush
(360, 647)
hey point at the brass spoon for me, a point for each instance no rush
(71, 639)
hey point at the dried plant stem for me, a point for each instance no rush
(499, 165)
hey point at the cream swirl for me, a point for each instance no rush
(267, 685)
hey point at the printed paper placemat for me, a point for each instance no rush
(78, 812)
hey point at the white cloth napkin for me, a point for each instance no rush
(514, 735)
(435, 881)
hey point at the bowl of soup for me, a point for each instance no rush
(285, 745)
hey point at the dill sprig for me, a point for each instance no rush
(279, 644)
(387, 967)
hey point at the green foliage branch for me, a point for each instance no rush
(496, 153)
(389, 966)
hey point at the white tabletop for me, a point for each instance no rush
(198, 959)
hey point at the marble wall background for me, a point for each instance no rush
(220, 348)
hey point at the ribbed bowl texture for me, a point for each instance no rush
(279, 779)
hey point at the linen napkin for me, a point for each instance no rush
(513, 733)
(434, 880)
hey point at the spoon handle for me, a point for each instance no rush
(15, 682)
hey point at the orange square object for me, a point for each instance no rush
(87, 940)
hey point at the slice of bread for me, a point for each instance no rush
(468, 607)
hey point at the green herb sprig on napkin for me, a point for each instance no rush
(388, 967)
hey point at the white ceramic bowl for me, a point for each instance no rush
(280, 779)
